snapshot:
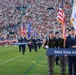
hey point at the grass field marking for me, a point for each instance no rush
(39, 64)
(10, 60)
(33, 65)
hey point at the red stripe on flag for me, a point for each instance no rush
(61, 20)
(23, 30)
(61, 15)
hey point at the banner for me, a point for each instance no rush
(60, 52)
(18, 43)
(25, 43)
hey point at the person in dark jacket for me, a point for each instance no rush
(30, 44)
(50, 59)
(19, 40)
(57, 40)
(59, 43)
(71, 43)
(34, 43)
(23, 46)
(39, 42)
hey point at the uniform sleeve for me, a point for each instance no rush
(61, 43)
(32, 40)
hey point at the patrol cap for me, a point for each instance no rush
(56, 32)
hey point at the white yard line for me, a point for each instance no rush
(10, 60)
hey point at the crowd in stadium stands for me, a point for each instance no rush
(41, 13)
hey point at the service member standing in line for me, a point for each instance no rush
(71, 43)
(23, 46)
(57, 39)
(29, 43)
(39, 42)
(50, 59)
(19, 40)
(34, 42)
(59, 43)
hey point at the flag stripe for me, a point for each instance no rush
(60, 15)
(23, 30)
(61, 20)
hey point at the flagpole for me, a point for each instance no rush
(61, 19)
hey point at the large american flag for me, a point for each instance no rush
(61, 15)
(61, 18)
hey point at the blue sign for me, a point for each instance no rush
(60, 52)
(24, 43)
(17, 43)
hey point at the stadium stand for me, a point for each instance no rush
(41, 13)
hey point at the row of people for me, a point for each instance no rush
(43, 15)
(55, 41)
(33, 42)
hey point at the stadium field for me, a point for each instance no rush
(12, 62)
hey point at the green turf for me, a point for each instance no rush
(12, 62)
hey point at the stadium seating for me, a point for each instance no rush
(41, 13)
